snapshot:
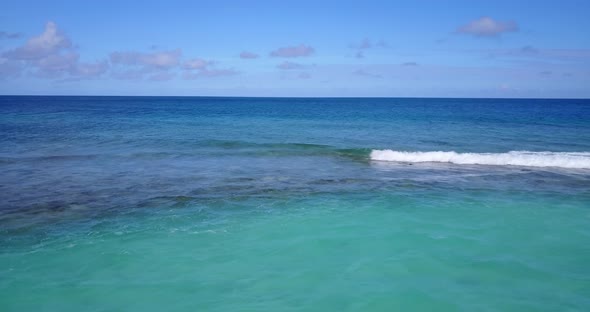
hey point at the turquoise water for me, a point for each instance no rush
(244, 204)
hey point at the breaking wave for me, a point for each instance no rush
(580, 160)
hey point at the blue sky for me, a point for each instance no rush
(302, 48)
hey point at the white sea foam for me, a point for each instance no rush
(514, 158)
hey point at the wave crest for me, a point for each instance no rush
(579, 160)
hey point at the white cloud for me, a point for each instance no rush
(487, 27)
(156, 66)
(248, 55)
(199, 68)
(197, 63)
(293, 51)
(51, 41)
(51, 55)
(57, 64)
(89, 70)
(286, 65)
(9, 68)
(366, 44)
(155, 60)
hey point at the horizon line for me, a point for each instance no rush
(295, 97)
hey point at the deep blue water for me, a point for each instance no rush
(66, 150)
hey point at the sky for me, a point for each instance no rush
(508, 49)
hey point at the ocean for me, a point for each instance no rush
(294, 204)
